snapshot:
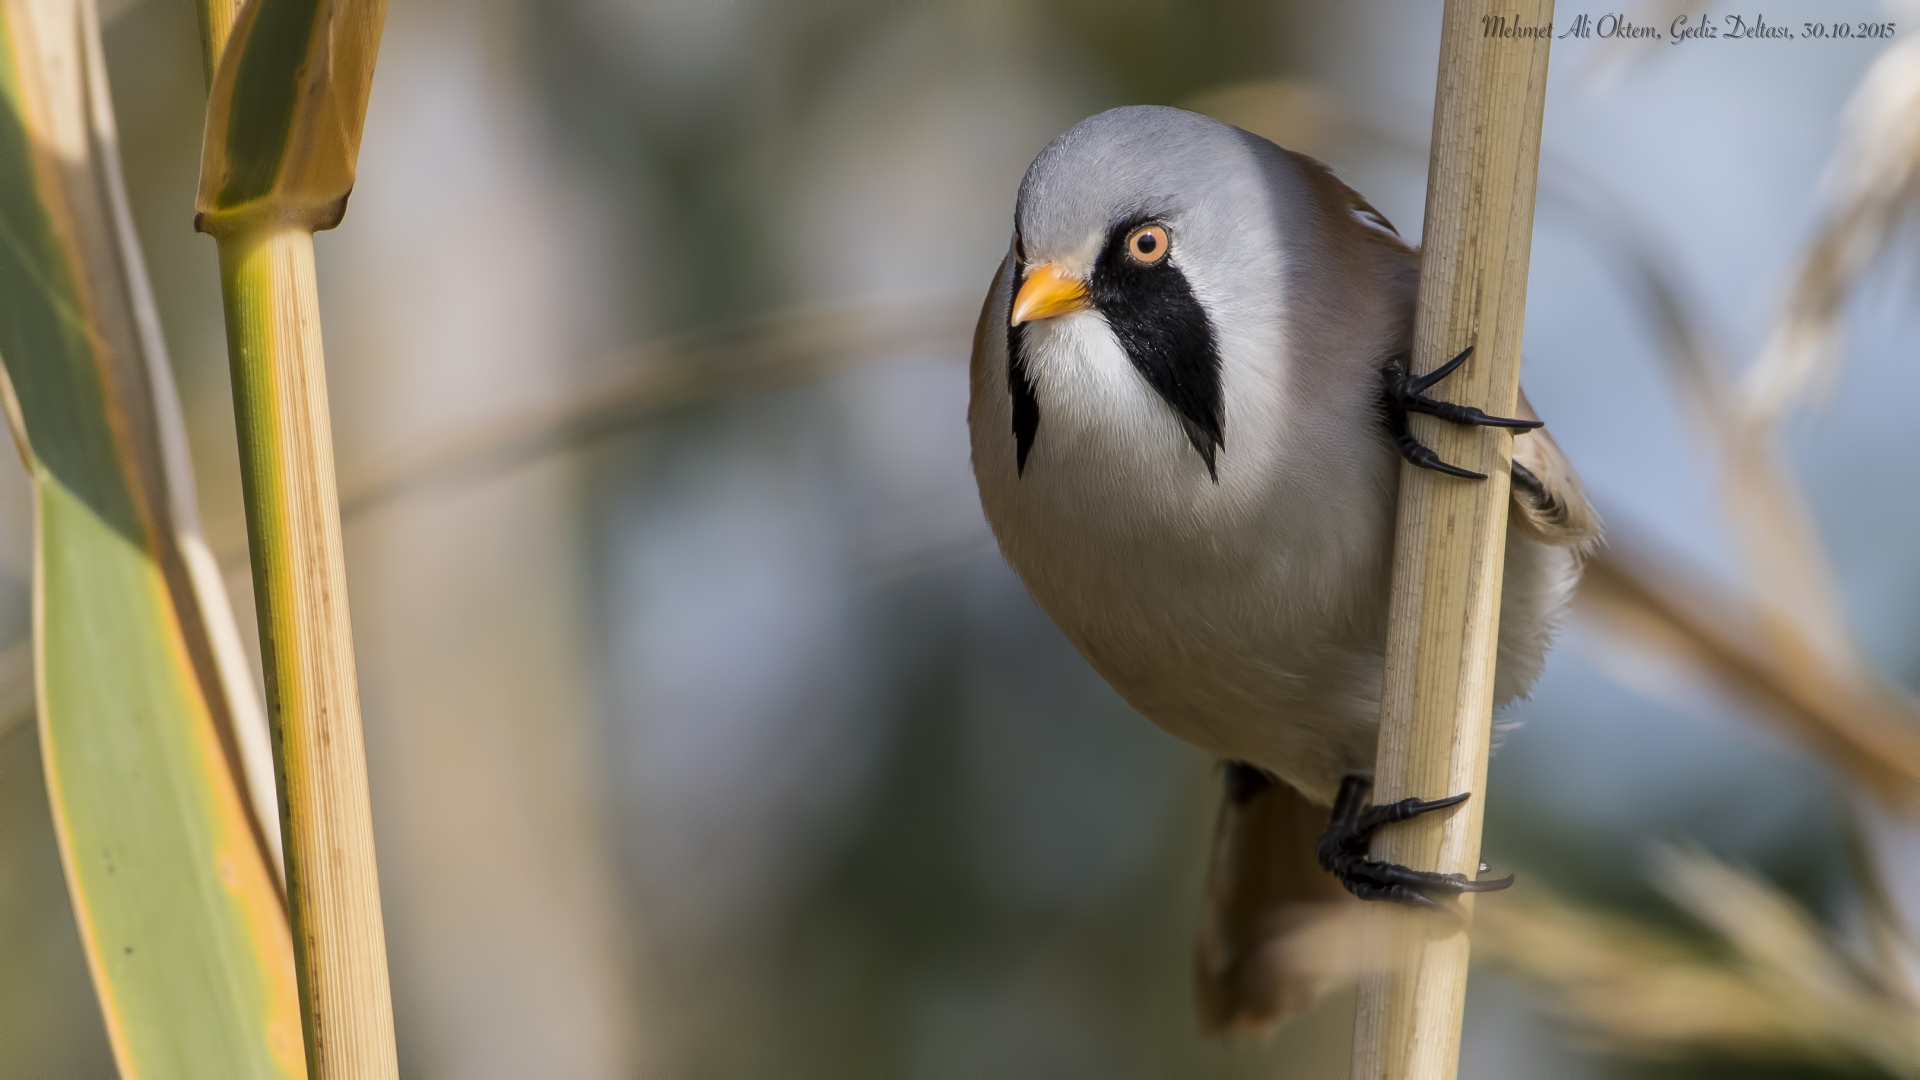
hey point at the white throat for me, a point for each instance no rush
(1099, 419)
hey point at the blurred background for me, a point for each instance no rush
(710, 736)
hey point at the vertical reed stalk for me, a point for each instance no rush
(300, 588)
(285, 109)
(1450, 549)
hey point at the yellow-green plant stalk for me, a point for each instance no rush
(284, 116)
(142, 692)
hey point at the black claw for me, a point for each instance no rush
(1466, 414)
(1495, 885)
(1343, 851)
(1406, 393)
(1420, 384)
(1422, 455)
(1373, 817)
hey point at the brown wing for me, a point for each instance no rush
(1263, 886)
(1549, 502)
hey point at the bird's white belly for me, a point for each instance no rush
(1244, 615)
(1257, 645)
(1231, 660)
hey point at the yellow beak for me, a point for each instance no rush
(1047, 292)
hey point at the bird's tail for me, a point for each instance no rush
(1264, 887)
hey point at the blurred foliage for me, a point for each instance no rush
(711, 132)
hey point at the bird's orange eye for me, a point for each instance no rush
(1147, 244)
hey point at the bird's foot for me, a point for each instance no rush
(1343, 851)
(1407, 393)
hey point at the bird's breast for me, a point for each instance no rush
(1210, 605)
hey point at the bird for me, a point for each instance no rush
(1188, 400)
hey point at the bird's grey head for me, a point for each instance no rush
(1132, 214)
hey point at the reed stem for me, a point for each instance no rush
(1449, 552)
(299, 573)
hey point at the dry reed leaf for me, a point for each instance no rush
(1777, 986)
(1788, 954)
(1769, 984)
(1874, 181)
(1647, 602)
(1891, 943)
(1625, 984)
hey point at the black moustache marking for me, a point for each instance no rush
(1163, 330)
(1026, 407)
(1166, 334)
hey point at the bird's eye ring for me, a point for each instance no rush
(1147, 244)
